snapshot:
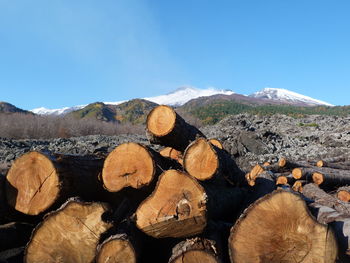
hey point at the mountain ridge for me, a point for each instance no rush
(185, 94)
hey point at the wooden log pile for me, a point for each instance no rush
(187, 203)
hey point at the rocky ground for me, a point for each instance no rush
(250, 139)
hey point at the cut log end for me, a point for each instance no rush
(129, 164)
(317, 178)
(298, 186)
(69, 234)
(279, 228)
(196, 256)
(343, 195)
(216, 143)
(176, 208)
(282, 162)
(201, 160)
(297, 173)
(265, 164)
(282, 180)
(320, 163)
(161, 120)
(32, 184)
(172, 153)
(116, 250)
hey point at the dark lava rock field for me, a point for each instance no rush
(250, 139)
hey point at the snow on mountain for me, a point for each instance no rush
(62, 111)
(184, 94)
(176, 98)
(287, 96)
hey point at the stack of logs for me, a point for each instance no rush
(189, 202)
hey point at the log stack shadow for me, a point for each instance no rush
(189, 202)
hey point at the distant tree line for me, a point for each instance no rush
(28, 126)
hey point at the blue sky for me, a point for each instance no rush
(65, 53)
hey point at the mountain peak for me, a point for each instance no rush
(285, 95)
(186, 93)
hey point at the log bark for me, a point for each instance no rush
(172, 153)
(195, 250)
(165, 127)
(181, 207)
(37, 182)
(312, 191)
(15, 234)
(343, 193)
(279, 228)
(69, 234)
(339, 223)
(12, 255)
(203, 161)
(133, 165)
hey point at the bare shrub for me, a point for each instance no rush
(27, 126)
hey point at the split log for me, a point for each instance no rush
(37, 182)
(343, 193)
(172, 153)
(167, 128)
(195, 250)
(204, 162)
(135, 166)
(15, 234)
(253, 174)
(313, 192)
(264, 184)
(181, 207)
(216, 143)
(69, 234)
(279, 228)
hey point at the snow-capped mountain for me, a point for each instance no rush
(176, 98)
(65, 110)
(284, 95)
(184, 94)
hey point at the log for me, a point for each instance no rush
(343, 193)
(302, 173)
(69, 234)
(133, 165)
(181, 207)
(195, 250)
(331, 177)
(37, 182)
(285, 179)
(298, 185)
(172, 153)
(339, 223)
(216, 143)
(313, 192)
(340, 165)
(205, 162)
(124, 245)
(165, 127)
(117, 248)
(279, 228)
(253, 174)
(15, 234)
